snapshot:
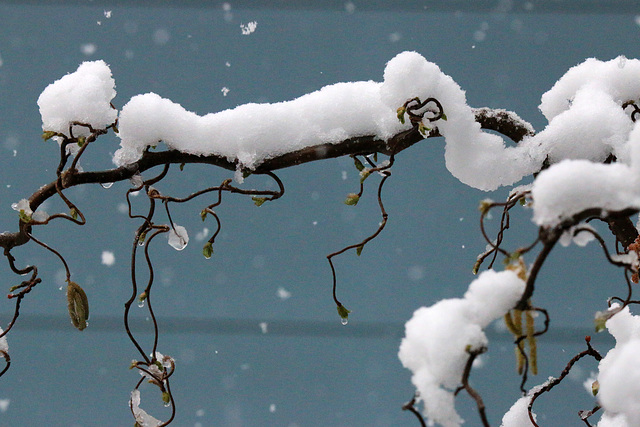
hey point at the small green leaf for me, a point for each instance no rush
(359, 250)
(595, 387)
(81, 141)
(74, 213)
(364, 174)
(358, 163)
(444, 117)
(48, 134)
(142, 238)
(203, 214)
(352, 199)
(182, 166)
(259, 201)
(207, 250)
(343, 312)
(522, 201)
(400, 114)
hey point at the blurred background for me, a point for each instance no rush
(254, 330)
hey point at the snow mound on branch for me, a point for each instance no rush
(518, 414)
(252, 133)
(438, 339)
(586, 125)
(83, 96)
(619, 371)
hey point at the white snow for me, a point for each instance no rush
(438, 338)
(22, 206)
(587, 122)
(248, 28)
(108, 258)
(83, 96)
(252, 133)
(140, 415)
(4, 346)
(619, 370)
(518, 415)
(4, 405)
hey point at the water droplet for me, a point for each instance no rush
(141, 303)
(167, 404)
(106, 184)
(344, 320)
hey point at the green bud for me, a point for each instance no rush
(142, 297)
(444, 117)
(400, 114)
(48, 134)
(358, 163)
(81, 141)
(595, 387)
(476, 267)
(259, 201)
(343, 312)
(485, 205)
(423, 129)
(600, 321)
(364, 174)
(513, 257)
(166, 397)
(359, 250)
(352, 199)
(203, 214)
(24, 217)
(78, 305)
(74, 213)
(134, 363)
(181, 167)
(207, 250)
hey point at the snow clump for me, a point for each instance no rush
(438, 340)
(83, 96)
(619, 371)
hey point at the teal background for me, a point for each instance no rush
(315, 371)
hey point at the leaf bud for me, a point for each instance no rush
(78, 305)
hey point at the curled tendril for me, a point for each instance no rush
(413, 106)
(635, 111)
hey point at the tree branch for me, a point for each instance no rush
(507, 123)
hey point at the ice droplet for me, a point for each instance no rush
(178, 237)
(167, 404)
(106, 184)
(344, 320)
(141, 303)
